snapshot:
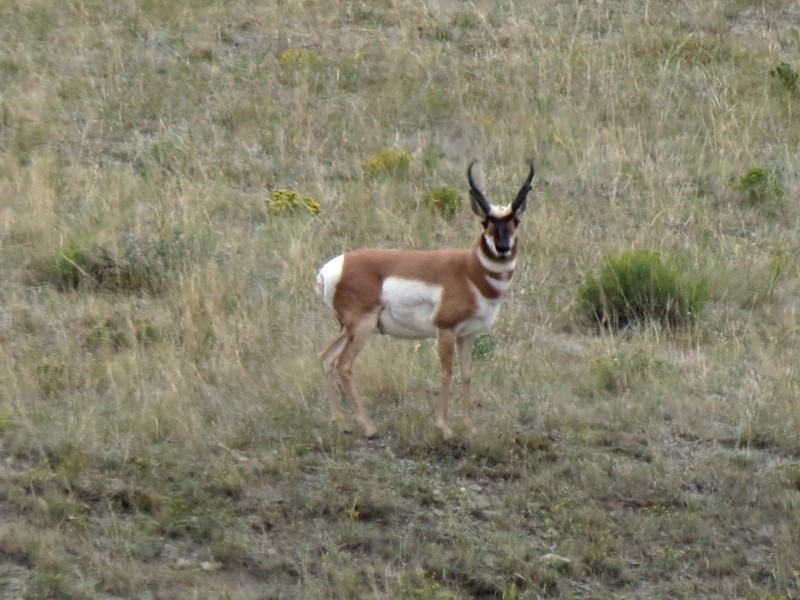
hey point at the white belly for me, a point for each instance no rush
(408, 308)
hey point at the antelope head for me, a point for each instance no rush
(499, 222)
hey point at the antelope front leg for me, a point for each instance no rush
(446, 345)
(465, 366)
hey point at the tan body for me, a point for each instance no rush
(448, 294)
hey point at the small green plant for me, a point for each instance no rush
(484, 346)
(466, 20)
(389, 162)
(779, 263)
(6, 418)
(618, 372)
(786, 75)
(792, 472)
(298, 57)
(760, 185)
(639, 286)
(285, 201)
(445, 200)
(74, 262)
(171, 154)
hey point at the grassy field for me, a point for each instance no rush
(162, 429)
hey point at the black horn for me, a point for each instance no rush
(519, 202)
(480, 205)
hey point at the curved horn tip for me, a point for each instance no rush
(530, 164)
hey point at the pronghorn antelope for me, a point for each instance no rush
(448, 294)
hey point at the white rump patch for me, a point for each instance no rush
(328, 278)
(408, 308)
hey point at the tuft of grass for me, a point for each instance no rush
(639, 286)
(618, 372)
(388, 163)
(444, 200)
(778, 266)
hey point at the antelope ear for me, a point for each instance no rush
(520, 202)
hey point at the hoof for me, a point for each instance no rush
(374, 436)
(447, 433)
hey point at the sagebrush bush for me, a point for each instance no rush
(639, 286)
(445, 200)
(132, 264)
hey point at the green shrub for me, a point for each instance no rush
(638, 286)
(760, 185)
(484, 346)
(389, 162)
(786, 75)
(445, 200)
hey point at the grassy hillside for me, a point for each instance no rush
(162, 430)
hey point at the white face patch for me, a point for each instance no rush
(408, 308)
(496, 267)
(328, 278)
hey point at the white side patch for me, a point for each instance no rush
(328, 278)
(485, 314)
(408, 308)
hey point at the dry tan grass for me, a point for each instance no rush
(161, 428)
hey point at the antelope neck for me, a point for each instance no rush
(498, 267)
